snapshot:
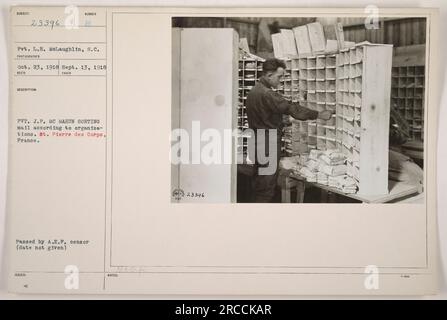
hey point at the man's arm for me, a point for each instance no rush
(281, 105)
(301, 113)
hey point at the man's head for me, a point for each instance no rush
(273, 70)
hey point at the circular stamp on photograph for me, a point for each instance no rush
(178, 194)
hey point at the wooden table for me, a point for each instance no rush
(398, 190)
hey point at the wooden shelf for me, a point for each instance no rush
(407, 96)
(355, 83)
(253, 67)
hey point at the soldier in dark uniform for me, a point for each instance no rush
(265, 108)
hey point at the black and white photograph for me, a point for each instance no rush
(298, 109)
(225, 152)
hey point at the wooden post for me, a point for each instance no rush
(375, 118)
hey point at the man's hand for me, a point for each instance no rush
(325, 115)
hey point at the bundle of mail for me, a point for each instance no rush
(326, 168)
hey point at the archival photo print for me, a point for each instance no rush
(298, 109)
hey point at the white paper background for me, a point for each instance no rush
(442, 146)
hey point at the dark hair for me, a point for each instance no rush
(271, 65)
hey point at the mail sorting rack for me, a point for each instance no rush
(317, 91)
(407, 97)
(289, 88)
(250, 69)
(363, 114)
